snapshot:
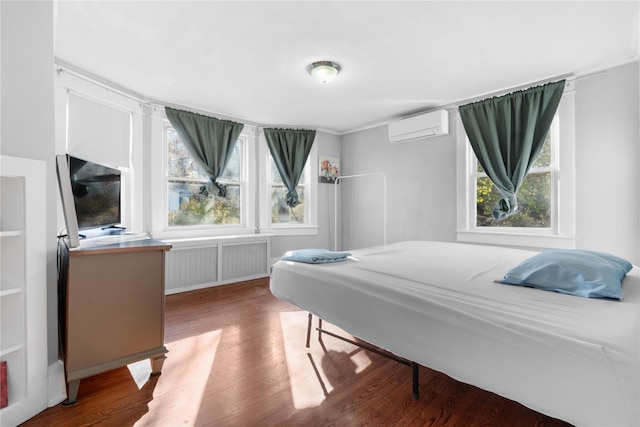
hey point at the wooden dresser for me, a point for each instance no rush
(111, 305)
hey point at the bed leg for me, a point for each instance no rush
(319, 329)
(416, 387)
(309, 329)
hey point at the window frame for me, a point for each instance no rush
(561, 234)
(132, 187)
(270, 188)
(159, 189)
(242, 183)
(474, 175)
(310, 226)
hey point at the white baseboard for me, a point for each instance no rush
(57, 388)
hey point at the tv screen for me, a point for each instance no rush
(96, 193)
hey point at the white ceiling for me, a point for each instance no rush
(247, 60)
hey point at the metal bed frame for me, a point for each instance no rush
(415, 392)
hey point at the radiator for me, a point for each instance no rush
(196, 265)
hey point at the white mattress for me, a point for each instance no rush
(437, 304)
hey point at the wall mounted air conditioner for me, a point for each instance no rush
(427, 125)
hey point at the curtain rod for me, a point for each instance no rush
(162, 105)
(569, 77)
(455, 104)
(64, 67)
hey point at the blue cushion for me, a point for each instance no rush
(583, 273)
(315, 256)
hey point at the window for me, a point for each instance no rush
(275, 216)
(536, 206)
(180, 209)
(280, 212)
(188, 201)
(546, 199)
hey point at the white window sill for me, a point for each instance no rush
(202, 233)
(291, 230)
(528, 240)
(208, 241)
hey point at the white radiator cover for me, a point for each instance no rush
(202, 263)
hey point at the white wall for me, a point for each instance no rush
(422, 181)
(421, 188)
(27, 115)
(607, 152)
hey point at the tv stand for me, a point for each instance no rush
(113, 229)
(111, 307)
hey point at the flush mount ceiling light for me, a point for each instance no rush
(324, 71)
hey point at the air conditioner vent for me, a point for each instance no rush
(427, 125)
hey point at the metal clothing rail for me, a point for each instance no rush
(415, 389)
(335, 205)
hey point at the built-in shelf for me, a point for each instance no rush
(10, 350)
(23, 325)
(16, 233)
(10, 291)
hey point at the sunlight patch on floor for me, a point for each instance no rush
(314, 371)
(189, 362)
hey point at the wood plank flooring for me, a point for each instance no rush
(237, 357)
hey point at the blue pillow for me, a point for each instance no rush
(315, 256)
(583, 273)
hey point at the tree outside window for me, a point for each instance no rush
(534, 196)
(280, 212)
(188, 202)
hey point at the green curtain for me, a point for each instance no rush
(290, 149)
(210, 142)
(507, 134)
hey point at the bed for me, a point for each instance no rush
(438, 304)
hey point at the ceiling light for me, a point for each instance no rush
(324, 71)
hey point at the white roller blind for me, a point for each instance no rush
(98, 132)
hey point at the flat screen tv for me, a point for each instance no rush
(96, 193)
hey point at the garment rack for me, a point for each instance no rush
(335, 204)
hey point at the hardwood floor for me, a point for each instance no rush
(237, 357)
